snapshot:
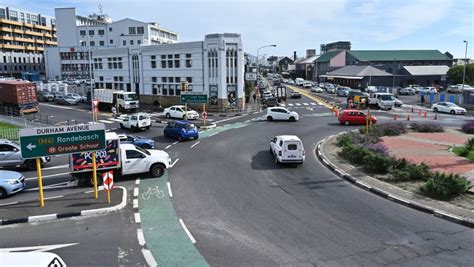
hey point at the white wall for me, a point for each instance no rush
(66, 26)
(51, 62)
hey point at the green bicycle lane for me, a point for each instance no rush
(221, 129)
(164, 235)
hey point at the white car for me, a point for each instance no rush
(280, 113)
(287, 149)
(448, 107)
(317, 90)
(137, 121)
(178, 112)
(76, 97)
(290, 81)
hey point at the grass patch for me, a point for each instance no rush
(463, 152)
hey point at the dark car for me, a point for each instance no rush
(295, 95)
(181, 130)
(137, 140)
(271, 102)
(45, 96)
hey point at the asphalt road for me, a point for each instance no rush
(244, 210)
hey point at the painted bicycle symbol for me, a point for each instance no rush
(153, 191)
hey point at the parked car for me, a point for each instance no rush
(448, 107)
(10, 156)
(137, 121)
(354, 117)
(330, 88)
(317, 90)
(398, 102)
(65, 100)
(299, 81)
(137, 140)
(428, 90)
(178, 112)
(295, 94)
(290, 81)
(343, 91)
(454, 89)
(280, 113)
(407, 91)
(307, 84)
(11, 182)
(287, 149)
(271, 102)
(45, 96)
(76, 97)
(181, 130)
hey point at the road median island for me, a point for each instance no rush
(78, 204)
(459, 209)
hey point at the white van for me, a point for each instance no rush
(287, 149)
(299, 81)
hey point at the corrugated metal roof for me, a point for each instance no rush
(390, 55)
(329, 55)
(426, 70)
(358, 71)
(308, 60)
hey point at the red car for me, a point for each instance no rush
(354, 117)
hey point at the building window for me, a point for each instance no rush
(140, 30)
(131, 42)
(91, 32)
(153, 57)
(164, 79)
(153, 79)
(189, 79)
(101, 32)
(170, 56)
(83, 43)
(176, 63)
(188, 55)
(163, 64)
(153, 64)
(101, 43)
(170, 79)
(101, 78)
(110, 29)
(176, 56)
(163, 56)
(124, 43)
(189, 63)
(92, 43)
(82, 32)
(111, 41)
(170, 63)
(132, 30)
(177, 79)
(154, 90)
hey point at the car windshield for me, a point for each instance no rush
(189, 126)
(451, 105)
(386, 97)
(143, 150)
(130, 97)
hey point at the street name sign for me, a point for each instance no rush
(40, 142)
(193, 99)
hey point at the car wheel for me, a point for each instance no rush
(157, 170)
(276, 160)
(269, 118)
(435, 109)
(168, 115)
(452, 112)
(347, 123)
(146, 146)
(180, 138)
(30, 165)
(271, 151)
(292, 119)
(184, 117)
(3, 193)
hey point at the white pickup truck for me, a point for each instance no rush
(382, 100)
(122, 159)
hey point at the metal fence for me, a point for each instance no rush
(10, 134)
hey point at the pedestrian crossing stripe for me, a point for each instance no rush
(106, 121)
(298, 104)
(290, 105)
(117, 120)
(305, 104)
(283, 105)
(313, 104)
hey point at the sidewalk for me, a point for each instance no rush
(460, 212)
(78, 204)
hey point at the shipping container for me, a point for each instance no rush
(18, 96)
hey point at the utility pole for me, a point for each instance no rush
(465, 64)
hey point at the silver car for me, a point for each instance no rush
(10, 156)
(76, 97)
(65, 100)
(11, 183)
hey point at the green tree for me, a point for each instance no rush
(455, 74)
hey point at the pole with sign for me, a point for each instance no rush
(184, 87)
(40, 181)
(204, 114)
(95, 107)
(108, 182)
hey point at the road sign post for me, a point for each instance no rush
(193, 99)
(94, 175)
(204, 114)
(108, 182)
(40, 181)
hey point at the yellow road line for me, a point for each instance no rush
(312, 97)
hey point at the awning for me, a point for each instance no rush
(342, 77)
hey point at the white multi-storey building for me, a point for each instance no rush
(214, 67)
(77, 35)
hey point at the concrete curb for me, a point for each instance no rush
(56, 216)
(411, 204)
(211, 126)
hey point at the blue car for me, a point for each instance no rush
(10, 183)
(137, 140)
(181, 130)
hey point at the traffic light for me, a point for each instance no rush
(184, 86)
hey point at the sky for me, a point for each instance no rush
(297, 25)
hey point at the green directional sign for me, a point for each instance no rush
(40, 142)
(193, 99)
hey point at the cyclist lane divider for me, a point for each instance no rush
(164, 235)
(311, 96)
(220, 129)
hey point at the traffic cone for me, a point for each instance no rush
(394, 117)
(412, 109)
(408, 117)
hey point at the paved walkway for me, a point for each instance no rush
(433, 149)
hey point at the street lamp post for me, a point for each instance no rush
(465, 63)
(89, 55)
(258, 50)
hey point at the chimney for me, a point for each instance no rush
(294, 55)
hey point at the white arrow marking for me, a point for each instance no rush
(30, 146)
(37, 248)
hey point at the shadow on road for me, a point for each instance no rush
(264, 160)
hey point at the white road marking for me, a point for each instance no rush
(212, 134)
(149, 257)
(187, 231)
(117, 120)
(168, 146)
(169, 189)
(106, 121)
(175, 142)
(10, 203)
(283, 105)
(47, 176)
(228, 119)
(137, 218)
(137, 181)
(195, 144)
(56, 167)
(53, 197)
(305, 104)
(298, 104)
(290, 104)
(141, 237)
(313, 104)
(176, 161)
(135, 203)
(135, 192)
(40, 218)
(37, 248)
